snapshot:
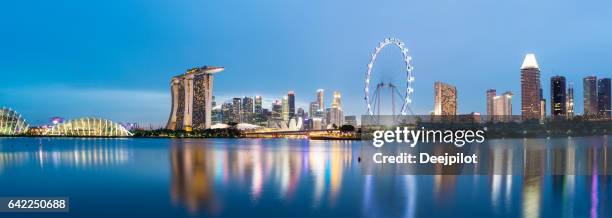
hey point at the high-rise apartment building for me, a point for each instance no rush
(557, 97)
(589, 96)
(192, 99)
(445, 99)
(503, 107)
(491, 93)
(530, 88)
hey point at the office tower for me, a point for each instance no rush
(570, 100)
(258, 111)
(313, 108)
(530, 87)
(503, 106)
(192, 99)
(603, 98)
(350, 120)
(557, 97)
(320, 99)
(277, 111)
(336, 116)
(589, 96)
(247, 110)
(491, 93)
(236, 110)
(291, 102)
(266, 115)
(445, 99)
(285, 106)
(300, 113)
(217, 114)
(226, 110)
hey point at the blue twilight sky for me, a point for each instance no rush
(115, 58)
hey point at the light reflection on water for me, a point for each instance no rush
(257, 177)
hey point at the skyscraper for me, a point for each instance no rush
(603, 98)
(236, 110)
(542, 106)
(557, 97)
(320, 99)
(277, 111)
(312, 110)
(530, 88)
(285, 107)
(503, 107)
(258, 110)
(247, 110)
(589, 96)
(491, 93)
(445, 99)
(336, 115)
(226, 111)
(291, 102)
(570, 100)
(192, 99)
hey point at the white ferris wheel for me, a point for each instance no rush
(400, 91)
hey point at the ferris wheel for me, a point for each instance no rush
(402, 90)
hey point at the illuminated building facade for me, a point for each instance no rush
(570, 100)
(259, 115)
(192, 99)
(589, 85)
(503, 107)
(236, 110)
(247, 110)
(557, 97)
(320, 99)
(336, 115)
(445, 99)
(603, 98)
(491, 93)
(530, 88)
(89, 126)
(291, 103)
(11, 123)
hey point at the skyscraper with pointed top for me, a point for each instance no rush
(530, 88)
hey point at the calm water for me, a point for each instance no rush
(288, 178)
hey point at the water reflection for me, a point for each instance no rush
(202, 171)
(82, 154)
(267, 178)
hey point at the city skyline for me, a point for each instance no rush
(118, 66)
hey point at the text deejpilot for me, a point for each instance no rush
(414, 136)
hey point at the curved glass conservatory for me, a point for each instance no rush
(89, 126)
(11, 123)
